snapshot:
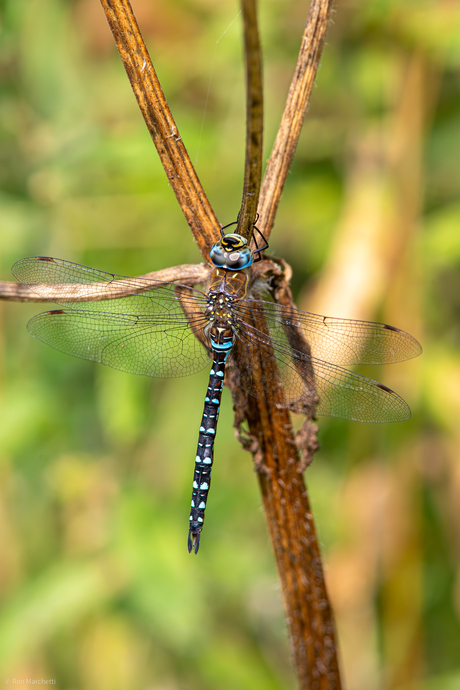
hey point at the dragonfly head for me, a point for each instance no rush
(232, 252)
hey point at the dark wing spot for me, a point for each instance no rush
(384, 388)
(391, 328)
(44, 258)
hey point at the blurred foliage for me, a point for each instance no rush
(97, 588)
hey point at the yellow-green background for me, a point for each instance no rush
(97, 588)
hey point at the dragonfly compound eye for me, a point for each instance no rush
(218, 255)
(236, 261)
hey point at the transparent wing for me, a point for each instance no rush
(338, 392)
(338, 341)
(153, 332)
(69, 284)
(305, 379)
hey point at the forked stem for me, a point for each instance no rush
(270, 439)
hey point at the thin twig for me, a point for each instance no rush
(186, 274)
(254, 121)
(161, 125)
(294, 113)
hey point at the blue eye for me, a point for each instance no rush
(217, 255)
(238, 260)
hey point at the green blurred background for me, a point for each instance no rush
(97, 588)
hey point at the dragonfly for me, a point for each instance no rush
(168, 329)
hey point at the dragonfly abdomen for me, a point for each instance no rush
(222, 339)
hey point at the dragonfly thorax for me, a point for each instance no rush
(219, 310)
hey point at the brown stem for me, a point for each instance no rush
(298, 558)
(160, 123)
(294, 113)
(187, 274)
(254, 121)
(287, 509)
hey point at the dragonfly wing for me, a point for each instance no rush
(137, 325)
(69, 284)
(135, 344)
(349, 395)
(309, 385)
(339, 341)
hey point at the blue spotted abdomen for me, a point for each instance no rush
(221, 342)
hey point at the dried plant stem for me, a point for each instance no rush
(289, 518)
(254, 121)
(294, 112)
(160, 123)
(293, 534)
(290, 521)
(186, 274)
